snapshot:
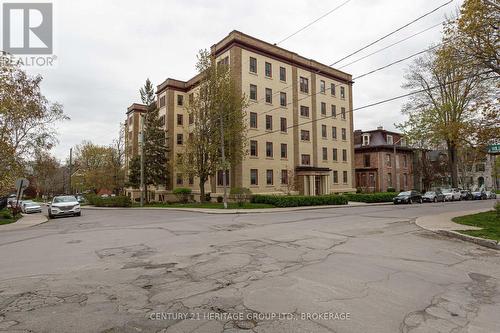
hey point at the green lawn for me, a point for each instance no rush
(212, 205)
(6, 218)
(489, 221)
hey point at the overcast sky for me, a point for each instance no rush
(107, 49)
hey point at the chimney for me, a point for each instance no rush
(380, 128)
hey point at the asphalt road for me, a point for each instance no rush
(362, 269)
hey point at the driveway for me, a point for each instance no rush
(358, 269)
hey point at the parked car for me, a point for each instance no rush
(31, 207)
(451, 194)
(491, 195)
(80, 199)
(64, 205)
(433, 196)
(466, 195)
(408, 197)
(479, 195)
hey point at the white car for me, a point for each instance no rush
(30, 207)
(491, 195)
(451, 194)
(64, 205)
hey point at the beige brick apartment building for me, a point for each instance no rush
(299, 125)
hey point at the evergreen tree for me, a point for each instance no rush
(134, 175)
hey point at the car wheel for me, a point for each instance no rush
(421, 201)
(78, 214)
(51, 216)
(410, 201)
(435, 200)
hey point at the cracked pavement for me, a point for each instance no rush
(110, 270)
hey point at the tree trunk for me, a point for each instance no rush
(453, 163)
(202, 190)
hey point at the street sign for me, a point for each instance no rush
(494, 149)
(22, 184)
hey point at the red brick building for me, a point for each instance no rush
(377, 168)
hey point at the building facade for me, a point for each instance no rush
(298, 118)
(382, 161)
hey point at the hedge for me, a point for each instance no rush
(371, 197)
(299, 200)
(118, 201)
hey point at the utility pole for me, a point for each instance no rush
(70, 167)
(223, 161)
(141, 138)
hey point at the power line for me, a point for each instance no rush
(392, 32)
(393, 44)
(316, 20)
(380, 102)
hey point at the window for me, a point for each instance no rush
(334, 133)
(403, 142)
(304, 135)
(323, 131)
(179, 179)
(304, 85)
(269, 96)
(304, 111)
(220, 178)
(344, 177)
(190, 118)
(284, 177)
(253, 65)
(269, 177)
(344, 155)
(335, 177)
(269, 149)
(389, 180)
(334, 111)
(344, 134)
(180, 119)
(191, 97)
(325, 154)
(269, 69)
(390, 140)
(180, 139)
(282, 73)
(284, 150)
(322, 86)
(342, 113)
(253, 92)
(254, 177)
(388, 160)
(162, 101)
(480, 167)
(323, 108)
(366, 139)
(335, 154)
(367, 160)
(283, 126)
(282, 98)
(405, 181)
(305, 159)
(253, 120)
(162, 120)
(180, 100)
(371, 178)
(253, 148)
(332, 88)
(223, 62)
(269, 122)
(342, 92)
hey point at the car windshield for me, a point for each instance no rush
(430, 193)
(67, 198)
(30, 204)
(405, 193)
(446, 191)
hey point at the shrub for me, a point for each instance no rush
(300, 200)
(391, 189)
(6, 214)
(208, 197)
(117, 201)
(371, 197)
(241, 195)
(182, 194)
(497, 208)
(220, 198)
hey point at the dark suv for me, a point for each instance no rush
(408, 197)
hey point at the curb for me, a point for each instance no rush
(24, 223)
(492, 244)
(241, 211)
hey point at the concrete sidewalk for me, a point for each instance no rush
(27, 221)
(246, 211)
(443, 224)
